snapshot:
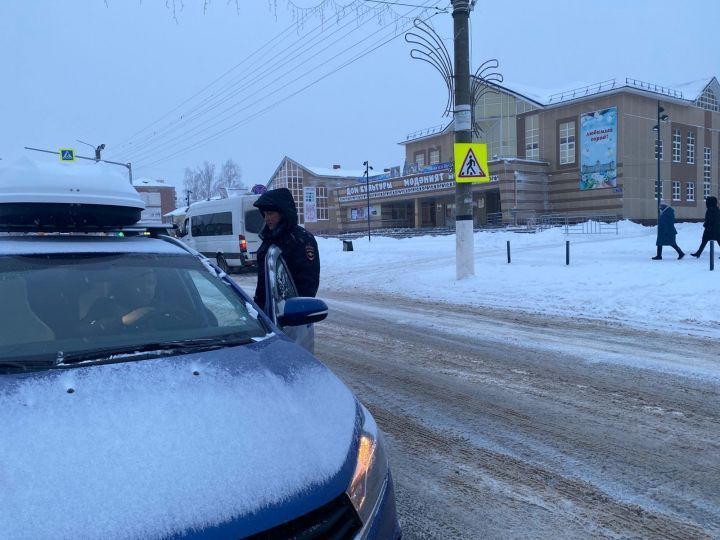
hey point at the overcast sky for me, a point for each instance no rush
(256, 80)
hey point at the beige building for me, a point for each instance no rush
(586, 152)
(589, 151)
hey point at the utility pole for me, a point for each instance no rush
(660, 119)
(464, 248)
(368, 168)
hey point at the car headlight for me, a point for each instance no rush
(369, 478)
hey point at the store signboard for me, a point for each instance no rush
(434, 181)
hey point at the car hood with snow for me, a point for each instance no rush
(161, 447)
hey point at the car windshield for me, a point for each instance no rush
(86, 306)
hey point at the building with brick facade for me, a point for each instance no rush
(159, 198)
(589, 151)
(592, 151)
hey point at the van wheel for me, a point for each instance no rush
(222, 263)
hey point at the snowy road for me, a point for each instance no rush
(505, 426)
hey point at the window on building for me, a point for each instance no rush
(434, 156)
(321, 203)
(691, 147)
(675, 190)
(709, 101)
(707, 171)
(420, 159)
(690, 191)
(532, 137)
(291, 176)
(655, 183)
(676, 145)
(567, 143)
(658, 149)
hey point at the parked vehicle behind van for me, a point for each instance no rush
(225, 230)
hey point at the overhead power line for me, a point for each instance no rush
(355, 7)
(160, 145)
(251, 117)
(249, 80)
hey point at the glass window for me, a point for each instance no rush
(85, 305)
(655, 184)
(420, 159)
(690, 191)
(567, 143)
(532, 137)
(690, 147)
(321, 203)
(709, 101)
(707, 171)
(291, 176)
(676, 190)
(434, 156)
(254, 221)
(219, 224)
(676, 146)
(658, 149)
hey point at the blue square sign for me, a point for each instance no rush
(67, 154)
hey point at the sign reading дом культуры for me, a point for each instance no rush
(598, 149)
(471, 163)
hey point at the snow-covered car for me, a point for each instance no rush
(144, 395)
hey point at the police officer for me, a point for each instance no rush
(299, 248)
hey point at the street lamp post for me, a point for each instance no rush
(187, 196)
(368, 168)
(660, 118)
(97, 149)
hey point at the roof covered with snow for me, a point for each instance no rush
(148, 182)
(689, 90)
(337, 173)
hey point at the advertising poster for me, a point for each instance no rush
(598, 149)
(310, 205)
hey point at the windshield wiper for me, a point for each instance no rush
(29, 365)
(145, 350)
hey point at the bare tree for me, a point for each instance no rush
(230, 177)
(199, 182)
(202, 182)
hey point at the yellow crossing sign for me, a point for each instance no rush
(471, 162)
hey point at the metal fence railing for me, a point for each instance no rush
(592, 224)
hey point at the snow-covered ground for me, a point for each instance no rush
(610, 277)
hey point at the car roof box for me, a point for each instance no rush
(36, 196)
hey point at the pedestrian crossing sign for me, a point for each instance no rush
(67, 154)
(471, 163)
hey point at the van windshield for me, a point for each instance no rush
(64, 305)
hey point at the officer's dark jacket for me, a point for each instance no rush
(299, 248)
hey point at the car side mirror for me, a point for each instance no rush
(301, 310)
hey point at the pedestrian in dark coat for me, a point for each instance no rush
(711, 225)
(299, 247)
(666, 231)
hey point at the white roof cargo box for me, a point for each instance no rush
(66, 196)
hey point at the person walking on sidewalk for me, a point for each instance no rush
(711, 225)
(666, 231)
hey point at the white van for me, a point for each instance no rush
(225, 230)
